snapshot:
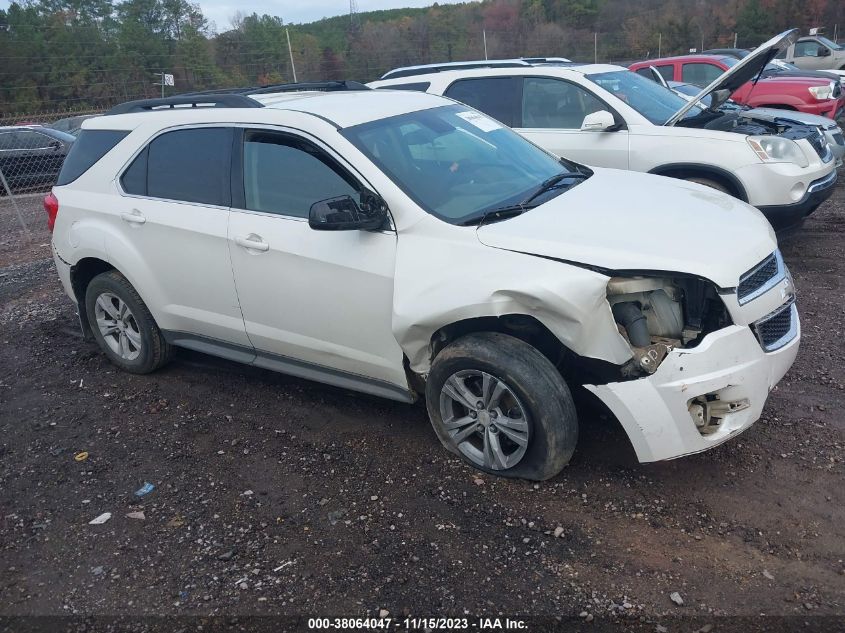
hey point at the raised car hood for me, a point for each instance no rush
(746, 70)
(627, 221)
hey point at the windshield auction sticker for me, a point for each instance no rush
(483, 123)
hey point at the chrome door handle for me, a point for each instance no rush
(135, 217)
(252, 242)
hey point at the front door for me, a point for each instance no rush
(316, 303)
(552, 113)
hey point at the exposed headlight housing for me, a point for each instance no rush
(776, 149)
(657, 314)
(822, 92)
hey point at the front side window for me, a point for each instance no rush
(496, 96)
(186, 165)
(808, 49)
(454, 162)
(700, 74)
(650, 99)
(286, 175)
(552, 103)
(32, 140)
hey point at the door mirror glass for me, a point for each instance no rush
(824, 52)
(600, 121)
(342, 213)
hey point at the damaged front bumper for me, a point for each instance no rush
(728, 367)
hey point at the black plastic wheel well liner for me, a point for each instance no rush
(717, 174)
(81, 274)
(575, 369)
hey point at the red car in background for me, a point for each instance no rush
(812, 95)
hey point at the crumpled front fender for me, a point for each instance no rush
(463, 279)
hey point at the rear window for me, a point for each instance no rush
(90, 147)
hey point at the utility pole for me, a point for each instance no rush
(595, 48)
(735, 40)
(659, 44)
(290, 52)
(484, 35)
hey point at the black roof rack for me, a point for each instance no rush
(318, 86)
(207, 100)
(437, 68)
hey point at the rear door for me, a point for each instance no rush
(317, 304)
(171, 223)
(552, 111)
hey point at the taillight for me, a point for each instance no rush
(51, 206)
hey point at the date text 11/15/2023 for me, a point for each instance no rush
(418, 623)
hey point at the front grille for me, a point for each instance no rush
(760, 278)
(778, 328)
(819, 142)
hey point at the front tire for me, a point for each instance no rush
(708, 182)
(502, 406)
(123, 326)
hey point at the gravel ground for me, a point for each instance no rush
(279, 496)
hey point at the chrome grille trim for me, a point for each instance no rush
(758, 281)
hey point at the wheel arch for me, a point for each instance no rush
(81, 274)
(718, 174)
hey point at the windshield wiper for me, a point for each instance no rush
(499, 213)
(511, 210)
(552, 183)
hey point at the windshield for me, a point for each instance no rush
(830, 43)
(454, 162)
(653, 101)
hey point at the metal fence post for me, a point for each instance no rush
(14, 202)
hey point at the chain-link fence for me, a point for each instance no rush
(32, 151)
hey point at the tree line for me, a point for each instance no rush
(84, 54)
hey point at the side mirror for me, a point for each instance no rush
(344, 214)
(824, 52)
(601, 121)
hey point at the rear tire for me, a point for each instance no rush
(123, 326)
(502, 406)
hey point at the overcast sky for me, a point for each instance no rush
(292, 11)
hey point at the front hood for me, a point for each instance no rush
(746, 70)
(627, 221)
(770, 115)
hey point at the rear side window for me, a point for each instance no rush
(499, 97)
(89, 148)
(700, 74)
(186, 165)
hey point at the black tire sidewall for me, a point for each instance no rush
(553, 423)
(119, 286)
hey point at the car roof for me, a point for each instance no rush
(341, 109)
(424, 69)
(531, 69)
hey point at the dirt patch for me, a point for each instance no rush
(279, 496)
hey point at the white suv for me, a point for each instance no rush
(404, 245)
(608, 116)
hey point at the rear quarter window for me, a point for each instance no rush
(86, 151)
